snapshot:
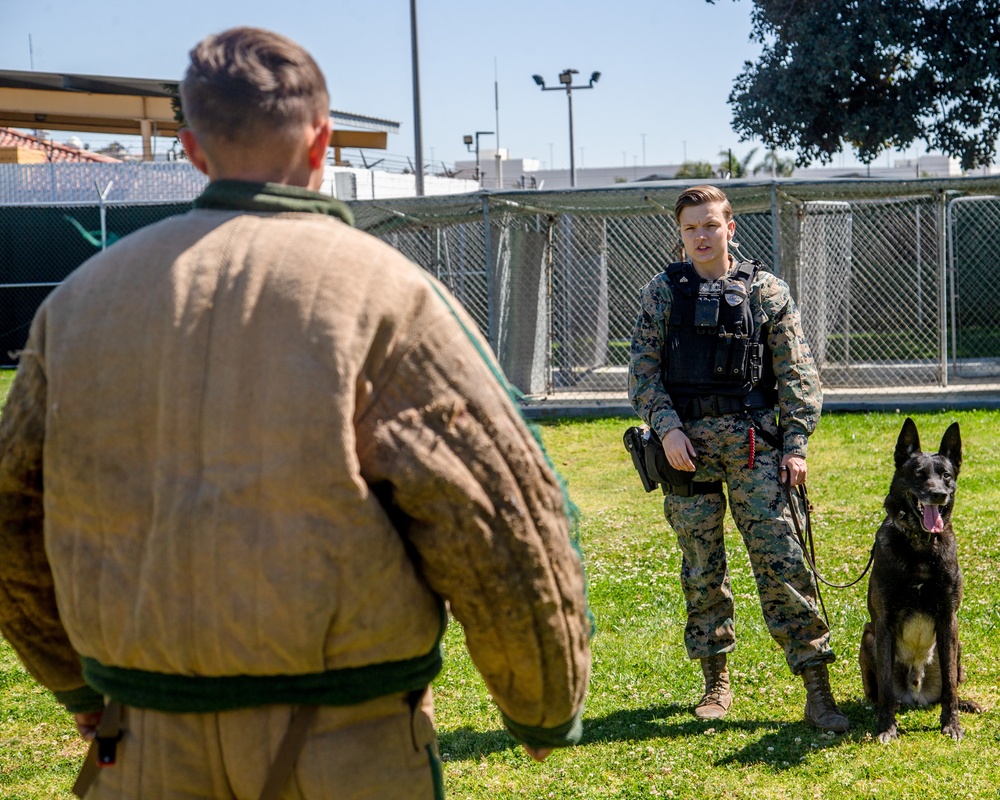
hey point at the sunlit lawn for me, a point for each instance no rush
(641, 740)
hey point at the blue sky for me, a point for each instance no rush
(667, 66)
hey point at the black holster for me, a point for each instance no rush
(654, 470)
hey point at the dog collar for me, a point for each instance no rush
(926, 537)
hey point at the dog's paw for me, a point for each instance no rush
(886, 736)
(969, 707)
(954, 730)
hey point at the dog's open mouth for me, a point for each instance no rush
(932, 520)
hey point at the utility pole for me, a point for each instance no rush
(417, 131)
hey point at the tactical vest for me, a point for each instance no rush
(713, 347)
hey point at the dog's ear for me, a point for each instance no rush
(908, 442)
(951, 446)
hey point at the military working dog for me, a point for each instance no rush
(910, 651)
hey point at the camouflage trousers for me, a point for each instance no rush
(785, 584)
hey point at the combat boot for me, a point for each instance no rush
(718, 697)
(821, 708)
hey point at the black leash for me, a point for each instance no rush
(804, 535)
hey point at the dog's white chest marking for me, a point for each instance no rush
(918, 676)
(915, 643)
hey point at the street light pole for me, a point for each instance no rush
(572, 147)
(566, 83)
(418, 143)
(467, 140)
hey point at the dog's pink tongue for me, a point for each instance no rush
(932, 519)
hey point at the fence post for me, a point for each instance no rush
(774, 230)
(488, 261)
(103, 210)
(550, 333)
(920, 289)
(943, 249)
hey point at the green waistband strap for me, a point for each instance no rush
(81, 701)
(196, 694)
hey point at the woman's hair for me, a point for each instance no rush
(247, 83)
(699, 196)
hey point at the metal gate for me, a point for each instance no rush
(973, 288)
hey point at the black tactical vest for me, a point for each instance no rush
(712, 345)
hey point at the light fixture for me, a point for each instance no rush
(467, 141)
(566, 83)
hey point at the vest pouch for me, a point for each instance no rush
(756, 363)
(739, 363)
(732, 353)
(723, 352)
(706, 312)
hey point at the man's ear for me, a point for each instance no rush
(194, 152)
(319, 145)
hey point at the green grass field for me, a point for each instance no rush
(641, 740)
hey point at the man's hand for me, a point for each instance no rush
(679, 450)
(793, 470)
(538, 753)
(87, 724)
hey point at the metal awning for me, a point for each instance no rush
(131, 106)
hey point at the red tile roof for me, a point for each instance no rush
(53, 150)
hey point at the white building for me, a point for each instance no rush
(526, 173)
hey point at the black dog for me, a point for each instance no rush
(910, 652)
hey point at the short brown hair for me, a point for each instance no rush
(699, 196)
(247, 82)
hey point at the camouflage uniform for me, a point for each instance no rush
(787, 589)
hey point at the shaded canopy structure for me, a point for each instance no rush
(133, 106)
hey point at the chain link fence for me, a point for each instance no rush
(894, 279)
(131, 182)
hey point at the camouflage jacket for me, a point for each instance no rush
(800, 397)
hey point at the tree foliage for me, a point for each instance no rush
(115, 150)
(733, 165)
(695, 169)
(773, 164)
(874, 75)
